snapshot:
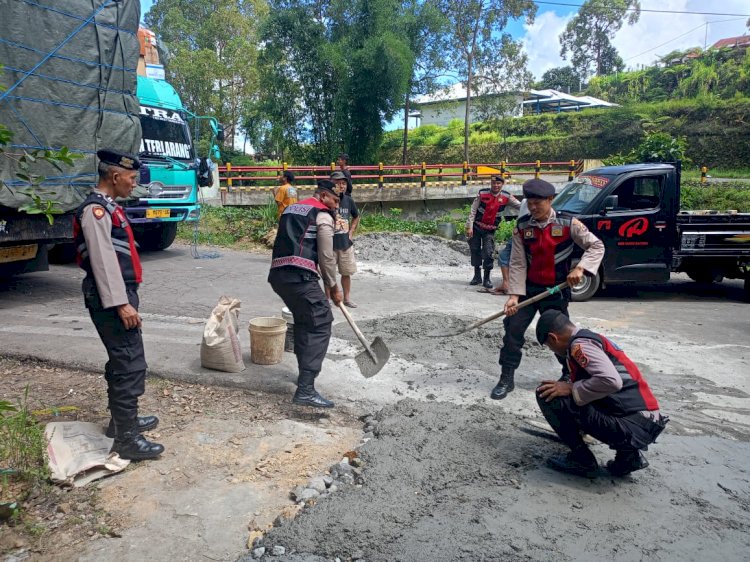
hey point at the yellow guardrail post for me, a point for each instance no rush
(502, 169)
(424, 174)
(229, 178)
(465, 173)
(380, 174)
(704, 174)
(537, 169)
(440, 173)
(333, 167)
(572, 170)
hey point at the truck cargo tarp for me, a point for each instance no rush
(69, 79)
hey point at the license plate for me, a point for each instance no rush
(18, 253)
(157, 213)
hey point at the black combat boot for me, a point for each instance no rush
(306, 394)
(580, 461)
(145, 423)
(477, 276)
(504, 386)
(487, 283)
(626, 462)
(130, 444)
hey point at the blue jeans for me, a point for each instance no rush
(503, 258)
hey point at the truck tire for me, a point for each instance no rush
(155, 237)
(746, 286)
(586, 288)
(706, 276)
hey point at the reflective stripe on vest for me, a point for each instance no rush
(296, 242)
(123, 241)
(488, 215)
(635, 394)
(548, 250)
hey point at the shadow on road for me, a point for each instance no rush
(731, 290)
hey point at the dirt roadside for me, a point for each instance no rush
(231, 458)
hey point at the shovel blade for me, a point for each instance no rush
(369, 367)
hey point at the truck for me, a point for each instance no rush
(635, 210)
(73, 77)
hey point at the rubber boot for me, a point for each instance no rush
(306, 394)
(580, 461)
(145, 423)
(477, 276)
(130, 444)
(504, 386)
(487, 283)
(626, 462)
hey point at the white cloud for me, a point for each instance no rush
(542, 42)
(644, 42)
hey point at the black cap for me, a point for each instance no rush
(329, 186)
(498, 178)
(337, 176)
(539, 189)
(550, 321)
(119, 158)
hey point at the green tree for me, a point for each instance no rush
(563, 79)
(484, 58)
(586, 38)
(212, 53)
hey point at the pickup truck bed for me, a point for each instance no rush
(713, 234)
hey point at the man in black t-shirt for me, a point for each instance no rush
(347, 221)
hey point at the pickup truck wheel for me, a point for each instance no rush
(156, 237)
(706, 276)
(747, 289)
(586, 288)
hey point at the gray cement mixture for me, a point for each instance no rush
(443, 482)
(410, 249)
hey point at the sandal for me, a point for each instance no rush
(350, 304)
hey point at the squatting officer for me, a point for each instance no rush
(541, 258)
(304, 243)
(106, 251)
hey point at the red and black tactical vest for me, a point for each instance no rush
(122, 239)
(296, 242)
(635, 394)
(548, 250)
(488, 215)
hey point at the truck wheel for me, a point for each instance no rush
(586, 288)
(706, 276)
(747, 289)
(156, 237)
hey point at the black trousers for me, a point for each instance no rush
(623, 433)
(125, 371)
(482, 246)
(516, 325)
(312, 319)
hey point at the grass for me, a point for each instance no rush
(231, 226)
(721, 197)
(23, 445)
(730, 173)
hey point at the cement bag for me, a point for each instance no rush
(220, 348)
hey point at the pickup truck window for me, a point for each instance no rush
(577, 195)
(639, 193)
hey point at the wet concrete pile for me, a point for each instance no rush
(410, 249)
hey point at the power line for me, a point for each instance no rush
(647, 10)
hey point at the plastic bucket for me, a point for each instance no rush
(267, 340)
(286, 314)
(446, 230)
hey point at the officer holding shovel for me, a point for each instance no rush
(541, 258)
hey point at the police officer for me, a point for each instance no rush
(305, 242)
(540, 258)
(484, 218)
(606, 397)
(106, 251)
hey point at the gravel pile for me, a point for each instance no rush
(410, 249)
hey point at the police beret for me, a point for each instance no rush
(498, 178)
(329, 186)
(338, 176)
(538, 188)
(118, 158)
(550, 321)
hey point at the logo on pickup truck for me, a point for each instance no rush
(633, 227)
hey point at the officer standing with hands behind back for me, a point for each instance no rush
(106, 251)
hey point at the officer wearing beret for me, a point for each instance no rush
(540, 258)
(106, 251)
(304, 246)
(606, 397)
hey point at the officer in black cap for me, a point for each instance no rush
(540, 258)
(106, 251)
(304, 246)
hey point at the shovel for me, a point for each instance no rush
(549, 292)
(375, 356)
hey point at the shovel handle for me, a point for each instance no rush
(359, 334)
(549, 292)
